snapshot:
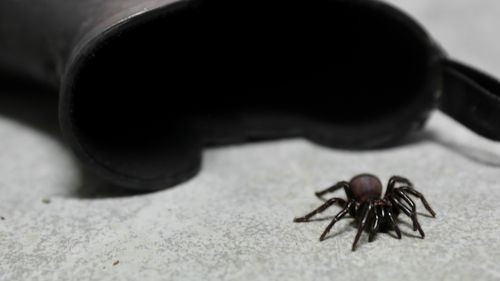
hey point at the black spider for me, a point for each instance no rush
(371, 212)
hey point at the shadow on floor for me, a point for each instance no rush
(36, 106)
(473, 153)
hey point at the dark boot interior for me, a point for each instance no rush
(212, 72)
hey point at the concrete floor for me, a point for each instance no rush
(234, 221)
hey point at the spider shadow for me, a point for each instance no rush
(329, 218)
(407, 225)
(345, 227)
(424, 215)
(391, 233)
(352, 224)
(336, 231)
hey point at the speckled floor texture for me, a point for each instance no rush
(234, 221)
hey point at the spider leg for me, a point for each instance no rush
(378, 215)
(397, 179)
(405, 210)
(394, 180)
(421, 197)
(367, 210)
(320, 209)
(335, 187)
(338, 217)
(413, 212)
(400, 206)
(393, 222)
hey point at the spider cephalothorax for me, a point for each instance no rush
(372, 212)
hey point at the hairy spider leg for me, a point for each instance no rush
(321, 208)
(393, 221)
(338, 217)
(335, 187)
(367, 212)
(377, 220)
(420, 196)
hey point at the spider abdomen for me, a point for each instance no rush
(366, 187)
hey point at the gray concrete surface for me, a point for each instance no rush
(234, 221)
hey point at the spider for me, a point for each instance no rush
(370, 211)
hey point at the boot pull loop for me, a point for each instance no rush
(471, 97)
